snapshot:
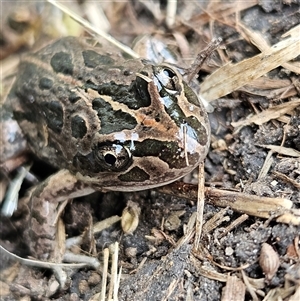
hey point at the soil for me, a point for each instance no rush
(157, 263)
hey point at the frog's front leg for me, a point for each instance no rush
(43, 206)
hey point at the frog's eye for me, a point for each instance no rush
(113, 157)
(169, 79)
(169, 72)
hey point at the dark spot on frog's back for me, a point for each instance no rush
(141, 92)
(93, 59)
(78, 127)
(169, 152)
(45, 83)
(112, 121)
(73, 97)
(53, 113)
(134, 175)
(61, 62)
(191, 96)
(134, 96)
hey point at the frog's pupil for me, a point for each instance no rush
(169, 72)
(110, 159)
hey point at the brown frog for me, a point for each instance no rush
(106, 122)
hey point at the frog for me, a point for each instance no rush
(106, 122)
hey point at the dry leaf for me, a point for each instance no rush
(233, 76)
(287, 151)
(271, 113)
(130, 217)
(234, 290)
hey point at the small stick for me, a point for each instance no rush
(104, 274)
(200, 206)
(201, 58)
(253, 205)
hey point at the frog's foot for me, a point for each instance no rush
(45, 233)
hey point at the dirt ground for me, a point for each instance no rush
(247, 251)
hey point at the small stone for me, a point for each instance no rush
(274, 183)
(74, 297)
(94, 279)
(83, 286)
(53, 287)
(131, 252)
(228, 251)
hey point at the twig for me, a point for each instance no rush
(253, 205)
(94, 30)
(104, 274)
(200, 206)
(171, 12)
(201, 58)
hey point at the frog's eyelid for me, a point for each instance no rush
(171, 91)
(144, 77)
(175, 69)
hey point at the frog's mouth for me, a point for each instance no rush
(138, 177)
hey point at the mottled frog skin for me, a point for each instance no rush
(106, 122)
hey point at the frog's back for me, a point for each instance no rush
(53, 95)
(118, 123)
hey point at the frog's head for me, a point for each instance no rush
(153, 133)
